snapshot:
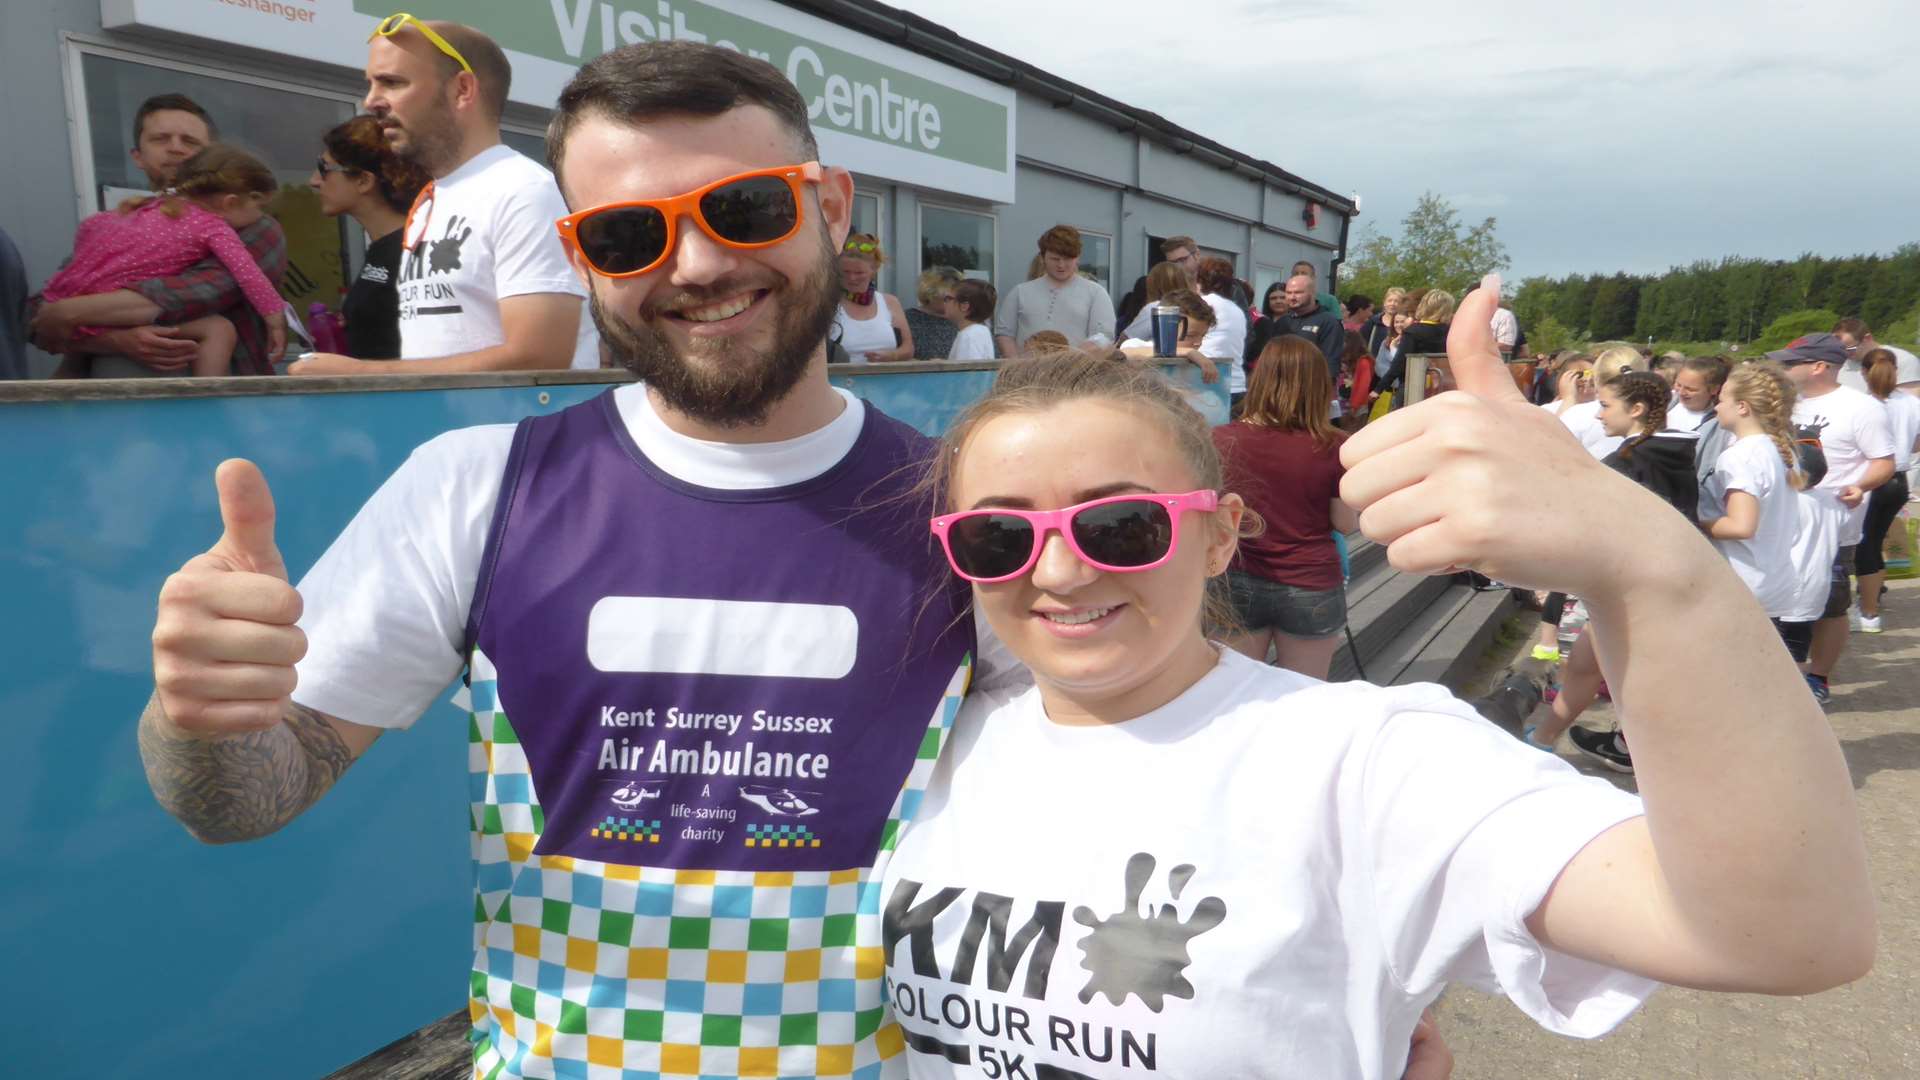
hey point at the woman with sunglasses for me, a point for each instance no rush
(358, 175)
(869, 324)
(1167, 859)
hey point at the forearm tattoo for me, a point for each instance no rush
(246, 786)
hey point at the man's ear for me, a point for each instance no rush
(836, 204)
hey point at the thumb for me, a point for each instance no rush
(1471, 351)
(246, 509)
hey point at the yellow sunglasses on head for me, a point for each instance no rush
(393, 24)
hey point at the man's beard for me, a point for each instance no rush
(731, 384)
(433, 143)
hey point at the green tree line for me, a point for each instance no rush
(1733, 300)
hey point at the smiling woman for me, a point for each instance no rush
(1234, 840)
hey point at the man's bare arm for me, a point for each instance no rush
(245, 786)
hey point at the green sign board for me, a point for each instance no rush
(846, 91)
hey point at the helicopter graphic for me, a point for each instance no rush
(629, 797)
(784, 802)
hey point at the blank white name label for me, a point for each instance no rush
(678, 636)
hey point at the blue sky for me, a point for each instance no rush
(1625, 135)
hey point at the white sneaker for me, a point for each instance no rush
(1853, 618)
(1869, 625)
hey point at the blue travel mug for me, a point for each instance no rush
(1168, 326)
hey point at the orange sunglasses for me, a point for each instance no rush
(748, 211)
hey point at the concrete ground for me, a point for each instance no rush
(1868, 1029)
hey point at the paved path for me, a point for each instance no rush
(1869, 1029)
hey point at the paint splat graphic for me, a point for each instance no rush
(1144, 955)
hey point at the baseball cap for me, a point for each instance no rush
(1812, 349)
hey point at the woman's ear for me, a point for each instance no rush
(1224, 538)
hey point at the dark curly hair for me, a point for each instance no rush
(359, 145)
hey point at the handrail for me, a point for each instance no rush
(42, 390)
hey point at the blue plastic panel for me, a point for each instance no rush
(132, 950)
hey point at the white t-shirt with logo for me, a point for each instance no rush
(1269, 875)
(1764, 560)
(1817, 517)
(1903, 422)
(1853, 431)
(486, 236)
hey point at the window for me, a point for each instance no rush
(1096, 258)
(533, 146)
(961, 239)
(866, 214)
(281, 127)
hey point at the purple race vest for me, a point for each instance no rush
(701, 718)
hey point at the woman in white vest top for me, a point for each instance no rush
(869, 324)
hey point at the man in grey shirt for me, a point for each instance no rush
(1059, 299)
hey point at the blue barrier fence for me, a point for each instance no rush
(134, 951)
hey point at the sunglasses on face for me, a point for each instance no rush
(395, 23)
(749, 211)
(324, 167)
(1119, 534)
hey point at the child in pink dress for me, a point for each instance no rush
(217, 191)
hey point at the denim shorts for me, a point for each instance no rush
(1295, 612)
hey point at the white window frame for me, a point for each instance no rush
(75, 46)
(1112, 253)
(920, 235)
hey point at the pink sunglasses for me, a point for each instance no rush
(1119, 534)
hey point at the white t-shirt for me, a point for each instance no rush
(1227, 341)
(973, 342)
(1683, 420)
(1853, 431)
(1903, 422)
(1765, 560)
(1506, 328)
(488, 235)
(1816, 541)
(1267, 874)
(386, 605)
(1584, 421)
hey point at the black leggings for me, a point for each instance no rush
(1883, 503)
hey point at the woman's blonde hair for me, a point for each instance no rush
(1435, 306)
(1393, 293)
(1765, 389)
(873, 252)
(1290, 389)
(936, 281)
(1039, 383)
(1166, 277)
(218, 169)
(1617, 361)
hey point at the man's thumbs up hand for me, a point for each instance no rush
(246, 509)
(224, 641)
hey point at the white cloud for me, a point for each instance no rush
(1628, 134)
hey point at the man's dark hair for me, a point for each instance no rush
(1854, 328)
(490, 66)
(1213, 275)
(1358, 302)
(1312, 272)
(637, 83)
(170, 103)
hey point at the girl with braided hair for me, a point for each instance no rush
(1633, 408)
(1747, 505)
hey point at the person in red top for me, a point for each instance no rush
(1283, 456)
